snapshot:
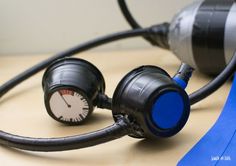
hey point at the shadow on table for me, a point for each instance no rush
(157, 146)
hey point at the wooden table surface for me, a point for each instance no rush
(23, 112)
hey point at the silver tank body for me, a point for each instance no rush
(180, 33)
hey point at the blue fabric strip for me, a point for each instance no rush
(218, 146)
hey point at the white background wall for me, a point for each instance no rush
(48, 26)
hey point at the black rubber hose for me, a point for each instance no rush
(130, 19)
(80, 48)
(128, 16)
(215, 84)
(117, 130)
(194, 97)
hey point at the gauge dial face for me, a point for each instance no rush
(69, 106)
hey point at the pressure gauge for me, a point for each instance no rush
(68, 105)
(71, 87)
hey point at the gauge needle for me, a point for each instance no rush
(68, 105)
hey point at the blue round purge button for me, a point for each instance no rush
(168, 109)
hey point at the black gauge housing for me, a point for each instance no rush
(73, 76)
